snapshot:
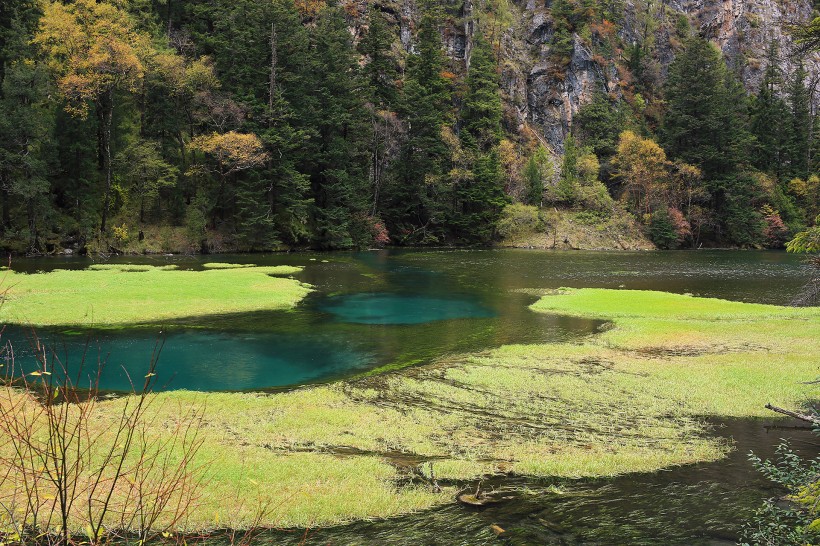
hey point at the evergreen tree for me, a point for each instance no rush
(770, 119)
(705, 125)
(598, 124)
(26, 146)
(537, 172)
(287, 189)
(481, 199)
(481, 113)
(417, 197)
(26, 124)
(380, 67)
(18, 21)
(799, 132)
(338, 170)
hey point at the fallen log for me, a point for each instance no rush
(815, 420)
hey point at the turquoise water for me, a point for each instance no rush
(197, 360)
(401, 309)
(386, 309)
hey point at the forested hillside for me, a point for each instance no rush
(253, 125)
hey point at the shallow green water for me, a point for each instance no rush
(382, 309)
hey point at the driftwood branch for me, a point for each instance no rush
(815, 420)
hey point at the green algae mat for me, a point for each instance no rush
(118, 295)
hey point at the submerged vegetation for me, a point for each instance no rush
(116, 295)
(633, 398)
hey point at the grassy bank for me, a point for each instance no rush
(630, 399)
(571, 230)
(113, 295)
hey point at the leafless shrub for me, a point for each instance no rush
(69, 461)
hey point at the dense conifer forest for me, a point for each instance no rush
(255, 125)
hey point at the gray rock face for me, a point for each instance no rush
(545, 97)
(743, 29)
(553, 99)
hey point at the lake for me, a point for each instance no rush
(393, 308)
(387, 309)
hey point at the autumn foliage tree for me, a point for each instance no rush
(231, 153)
(642, 167)
(95, 50)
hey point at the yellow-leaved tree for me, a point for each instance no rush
(231, 153)
(95, 50)
(643, 169)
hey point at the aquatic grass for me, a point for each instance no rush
(115, 295)
(615, 304)
(633, 398)
(223, 265)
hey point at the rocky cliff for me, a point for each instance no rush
(544, 97)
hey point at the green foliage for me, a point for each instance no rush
(770, 121)
(662, 230)
(481, 200)
(598, 125)
(367, 131)
(800, 124)
(380, 68)
(417, 197)
(338, 165)
(481, 111)
(806, 241)
(480, 197)
(795, 522)
(538, 172)
(518, 219)
(578, 183)
(705, 125)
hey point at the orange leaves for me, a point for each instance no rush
(604, 30)
(233, 151)
(93, 47)
(309, 8)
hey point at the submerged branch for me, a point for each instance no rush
(802, 416)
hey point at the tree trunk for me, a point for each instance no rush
(274, 59)
(34, 239)
(469, 30)
(106, 106)
(6, 208)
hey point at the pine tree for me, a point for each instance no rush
(598, 124)
(770, 119)
(380, 67)
(338, 171)
(481, 114)
(537, 171)
(26, 123)
(706, 125)
(287, 193)
(417, 198)
(481, 199)
(799, 133)
(26, 147)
